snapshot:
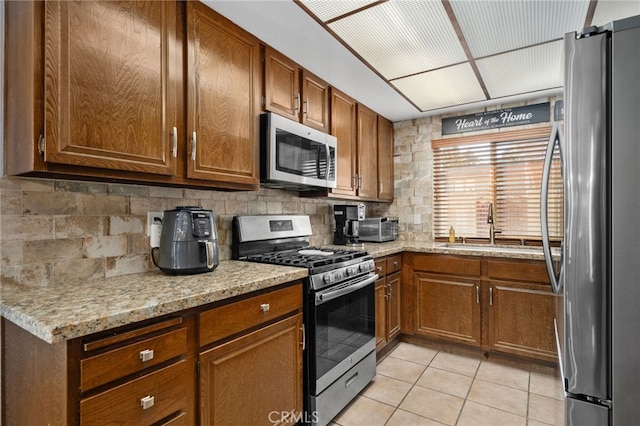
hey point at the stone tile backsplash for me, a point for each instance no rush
(54, 230)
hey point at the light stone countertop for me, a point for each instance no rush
(74, 309)
(395, 247)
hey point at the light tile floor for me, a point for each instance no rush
(417, 386)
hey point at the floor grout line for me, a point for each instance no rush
(474, 379)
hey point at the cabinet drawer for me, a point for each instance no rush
(452, 265)
(114, 364)
(518, 271)
(381, 267)
(218, 323)
(164, 391)
(394, 264)
(179, 420)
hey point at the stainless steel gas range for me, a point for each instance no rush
(339, 308)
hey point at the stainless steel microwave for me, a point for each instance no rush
(295, 156)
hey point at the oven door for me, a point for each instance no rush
(342, 329)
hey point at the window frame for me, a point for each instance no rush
(493, 139)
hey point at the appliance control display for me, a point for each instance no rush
(201, 225)
(280, 225)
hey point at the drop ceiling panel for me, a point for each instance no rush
(524, 71)
(490, 27)
(442, 88)
(612, 10)
(329, 9)
(400, 38)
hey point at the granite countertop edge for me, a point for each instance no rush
(75, 309)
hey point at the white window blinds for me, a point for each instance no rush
(505, 169)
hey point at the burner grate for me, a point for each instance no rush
(295, 258)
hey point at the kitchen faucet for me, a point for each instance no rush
(492, 231)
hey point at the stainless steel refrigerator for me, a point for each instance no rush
(598, 277)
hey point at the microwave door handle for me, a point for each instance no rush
(318, 163)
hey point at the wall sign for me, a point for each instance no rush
(518, 116)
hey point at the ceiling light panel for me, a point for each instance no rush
(491, 27)
(329, 9)
(400, 38)
(611, 10)
(524, 71)
(442, 88)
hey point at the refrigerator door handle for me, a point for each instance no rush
(555, 138)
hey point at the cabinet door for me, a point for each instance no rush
(223, 100)
(393, 305)
(315, 102)
(367, 163)
(381, 313)
(282, 85)
(385, 159)
(448, 307)
(246, 379)
(343, 127)
(110, 86)
(521, 319)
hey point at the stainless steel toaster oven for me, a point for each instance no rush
(379, 229)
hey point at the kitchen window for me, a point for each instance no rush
(503, 168)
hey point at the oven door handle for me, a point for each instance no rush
(325, 296)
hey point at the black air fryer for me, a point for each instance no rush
(188, 241)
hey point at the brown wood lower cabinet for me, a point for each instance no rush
(498, 305)
(521, 309)
(448, 307)
(250, 366)
(387, 300)
(247, 351)
(254, 379)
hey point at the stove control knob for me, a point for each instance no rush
(328, 278)
(363, 267)
(351, 271)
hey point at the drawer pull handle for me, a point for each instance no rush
(395, 263)
(146, 355)
(147, 402)
(379, 268)
(264, 307)
(351, 380)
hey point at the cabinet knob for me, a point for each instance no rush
(147, 402)
(264, 307)
(379, 268)
(146, 355)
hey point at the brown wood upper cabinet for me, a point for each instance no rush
(223, 65)
(355, 127)
(385, 159)
(97, 89)
(294, 92)
(110, 96)
(365, 150)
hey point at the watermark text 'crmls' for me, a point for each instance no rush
(278, 417)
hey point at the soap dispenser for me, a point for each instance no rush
(452, 235)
